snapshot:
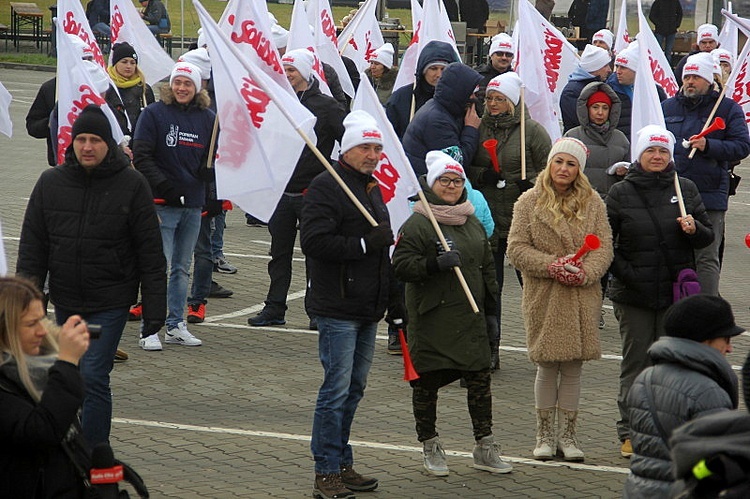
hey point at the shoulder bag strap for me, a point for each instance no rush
(652, 408)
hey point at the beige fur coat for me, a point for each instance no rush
(561, 321)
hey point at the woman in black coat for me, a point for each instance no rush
(41, 392)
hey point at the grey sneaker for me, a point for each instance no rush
(330, 486)
(434, 457)
(224, 267)
(487, 456)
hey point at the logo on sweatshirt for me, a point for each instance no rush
(174, 130)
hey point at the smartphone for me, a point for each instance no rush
(95, 331)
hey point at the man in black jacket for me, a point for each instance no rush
(91, 224)
(667, 17)
(282, 226)
(349, 289)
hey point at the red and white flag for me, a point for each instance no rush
(320, 17)
(6, 125)
(546, 60)
(622, 37)
(127, 26)
(394, 172)
(73, 20)
(729, 34)
(300, 37)
(247, 24)
(738, 83)
(75, 91)
(259, 144)
(659, 66)
(433, 25)
(408, 64)
(362, 36)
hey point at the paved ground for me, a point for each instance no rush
(232, 418)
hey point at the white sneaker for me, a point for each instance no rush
(150, 343)
(181, 336)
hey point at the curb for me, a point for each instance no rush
(28, 67)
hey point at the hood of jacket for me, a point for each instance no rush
(582, 109)
(435, 51)
(581, 74)
(455, 88)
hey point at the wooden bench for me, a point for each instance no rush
(26, 15)
(165, 40)
(4, 34)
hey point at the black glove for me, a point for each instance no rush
(381, 236)
(490, 177)
(151, 327)
(523, 185)
(213, 207)
(441, 249)
(397, 312)
(493, 328)
(448, 260)
(171, 194)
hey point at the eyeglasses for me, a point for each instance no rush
(446, 181)
(498, 100)
(507, 55)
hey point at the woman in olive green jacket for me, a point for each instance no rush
(447, 340)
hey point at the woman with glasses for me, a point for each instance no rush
(501, 121)
(561, 292)
(447, 340)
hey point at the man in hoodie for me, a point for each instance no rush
(435, 56)
(594, 66)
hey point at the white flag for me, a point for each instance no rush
(433, 25)
(394, 172)
(545, 61)
(622, 37)
(73, 20)
(320, 17)
(75, 91)
(738, 83)
(741, 23)
(659, 66)
(258, 145)
(127, 26)
(729, 34)
(3, 260)
(6, 125)
(300, 37)
(362, 36)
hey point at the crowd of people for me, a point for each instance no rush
(470, 140)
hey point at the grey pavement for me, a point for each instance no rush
(232, 418)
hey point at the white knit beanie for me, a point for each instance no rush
(708, 32)
(360, 128)
(302, 60)
(629, 57)
(508, 84)
(502, 42)
(280, 36)
(439, 163)
(571, 146)
(701, 64)
(654, 136)
(723, 55)
(594, 58)
(84, 51)
(187, 70)
(604, 35)
(384, 55)
(199, 58)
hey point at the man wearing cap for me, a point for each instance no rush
(622, 81)
(707, 40)
(380, 74)
(593, 66)
(91, 224)
(433, 59)
(499, 61)
(298, 65)
(349, 289)
(685, 115)
(170, 148)
(690, 378)
(604, 39)
(667, 17)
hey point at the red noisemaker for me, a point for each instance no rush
(410, 374)
(747, 240)
(590, 242)
(718, 124)
(490, 145)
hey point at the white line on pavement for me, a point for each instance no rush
(356, 443)
(251, 310)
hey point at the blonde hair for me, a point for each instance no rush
(568, 206)
(16, 296)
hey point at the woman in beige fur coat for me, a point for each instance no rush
(561, 296)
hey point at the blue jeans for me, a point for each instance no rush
(203, 266)
(346, 349)
(95, 366)
(179, 233)
(666, 42)
(218, 225)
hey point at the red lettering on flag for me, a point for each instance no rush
(117, 23)
(552, 58)
(329, 28)
(249, 34)
(256, 100)
(387, 176)
(74, 28)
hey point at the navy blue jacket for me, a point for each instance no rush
(626, 113)
(440, 122)
(708, 169)
(569, 96)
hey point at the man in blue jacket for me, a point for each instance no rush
(685, 115)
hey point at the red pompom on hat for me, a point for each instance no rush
(599, 96)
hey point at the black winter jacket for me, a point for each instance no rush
(33, 463)
(440, 122)
(345, 281)
(37, 119)
(688, 380)
(642, 278)
(666, 16)
(329, 128)
(98, 236)
(129, 104)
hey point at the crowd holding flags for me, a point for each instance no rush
(300, 37)
(320, 17)
(362, 36)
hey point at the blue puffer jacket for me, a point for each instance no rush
(708, 169)
(440, 122)
(625, 95)
(569, 96)
(688, 380)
